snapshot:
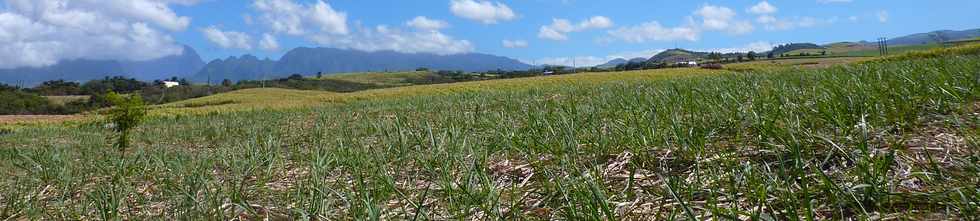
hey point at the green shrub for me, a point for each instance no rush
(126, 114)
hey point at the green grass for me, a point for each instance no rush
(895, 138)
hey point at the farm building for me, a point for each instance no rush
(687, 64)
(170, 84)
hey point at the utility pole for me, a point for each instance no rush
(883, 46)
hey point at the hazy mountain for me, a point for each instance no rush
(70, 70)
(637, 60)
(183, 65)
(246, 67)
(613, 63)
(309, 61)
(928, 38)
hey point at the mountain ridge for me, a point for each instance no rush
(309, 61)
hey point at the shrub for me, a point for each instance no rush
(126, 114)
(713, 66)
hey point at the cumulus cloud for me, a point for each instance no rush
(382, 38)
(321, 24)
(578, 61)
(771, 22)
(515, 43)
(227, 39)
(653, 31)
(559, 28)
(763, 8)
(483, 11)
(38, 33)
(421, 22)
(286, 16)
(269, 42)
(720, 18)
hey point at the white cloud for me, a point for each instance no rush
(423, 23)
(559, 28)
(286, 16)
(763, 8)
(515, 43)
(269, 42)
(635, 54)
(853, 18)
(882, 16)
(227, 39)
(719, 18)
(323, 25)
(38, 33)
(483, 11)
(386, 38)
(653, 31)
(578, 61)
(779, 24)
(715, 17)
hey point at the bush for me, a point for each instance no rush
(17, 102)
(713, 66)
(126, 114)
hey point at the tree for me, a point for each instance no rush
(127, 113)
(740, 58)
(751, 55)
(714, 56)
(319, 75)
(770, 55)
(226, 83)
(58, 88)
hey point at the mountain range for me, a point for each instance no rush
(309, 61)
(184, 64)
(304, 61)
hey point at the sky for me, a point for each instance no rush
(37, 33)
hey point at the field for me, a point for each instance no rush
(790, 63)
(894, 138)
(386, 80)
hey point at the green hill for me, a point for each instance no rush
(677, 55)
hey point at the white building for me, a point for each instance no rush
(170, 84)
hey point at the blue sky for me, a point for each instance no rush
(40, 32)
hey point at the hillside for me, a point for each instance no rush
(932, 37)
(787, 48)
(677, 55)
(612, 63)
